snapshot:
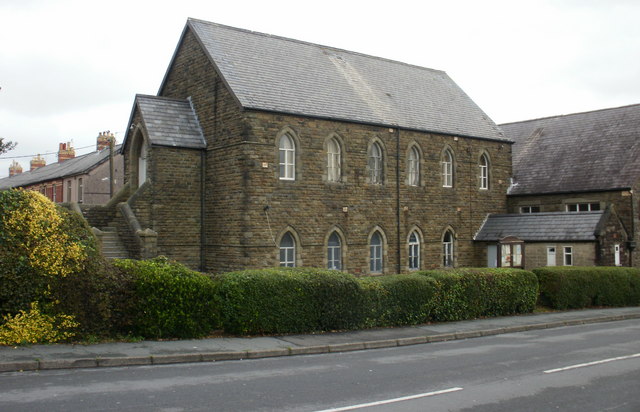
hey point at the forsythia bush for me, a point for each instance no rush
(30, 233)
(36, 327)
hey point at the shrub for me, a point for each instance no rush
(36, 327)
(468, 293)
(170, 300)
(286, 300)
(576, 287)
(34, 248)
(398, 299)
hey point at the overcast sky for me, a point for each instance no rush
(70, 69)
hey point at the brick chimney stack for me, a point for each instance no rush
(66, 152)
(103, 140)
(15, 169)
(37, 162)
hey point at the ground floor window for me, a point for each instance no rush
(414, 251)
(568, 256)
(511, 255)
(287, 251)
(447, 249)
(375, 253)
(334, 252)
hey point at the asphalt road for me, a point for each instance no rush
(584, 368)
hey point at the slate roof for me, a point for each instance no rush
(541, 227)
(277, 74)
(169, 122)
(582, 152)
(77, 166)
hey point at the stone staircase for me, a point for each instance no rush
(112, 247)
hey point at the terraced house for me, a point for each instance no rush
(261, 151)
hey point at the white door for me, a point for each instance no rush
(616, 254)
(551, 255)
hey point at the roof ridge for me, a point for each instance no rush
(570, 114)
(150, 96)
(308, 43)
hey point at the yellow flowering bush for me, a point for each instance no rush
(31, 227)
(36, 327)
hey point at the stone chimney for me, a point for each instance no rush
(103, 140)
(15, 169)
(66, 152)
(37, 162)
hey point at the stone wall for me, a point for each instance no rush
(583, 253)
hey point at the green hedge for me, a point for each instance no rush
(171, 301)
(576, 287)
(399, 299)
(286, 300)
(468, 293)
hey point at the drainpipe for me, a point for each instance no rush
(203, 250)
(399, 243)
(633, 226)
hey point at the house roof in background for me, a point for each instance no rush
(169, 122)
(72, 167)
(277, 74)
(532, 227)
(591, 151)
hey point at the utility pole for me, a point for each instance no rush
(112, 186)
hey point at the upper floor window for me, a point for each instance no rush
(413, 167)
(333, 160)
(287, 150)
(414, 251)
(375, 163)
(529, 209)
(447, 168)
(334, 252)
(447, 249)
(484, 172)
(287, 250)
(583, 207)
(375, 253)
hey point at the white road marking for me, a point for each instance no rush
(582, 365)
(388, 401)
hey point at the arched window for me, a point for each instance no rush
(484, 172)
(375, 163)
(287, 250)
(333, 160)
(375, 253)
(334, 252)
(287, 150)
(413, 167)
(447, 249)
(447, 168)
(414, 251)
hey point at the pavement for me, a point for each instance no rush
(66, 356)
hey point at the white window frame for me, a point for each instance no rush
(447, 168)
(54, 195)
(414, 251)
(484, 172)
(287, 250)
(334, 252)
(413, 167)
(69, 191)
(376, 249)
(375, 161)
(287, 157)
(333, 160)
(448, 249)
(80, 190)
(587, 206)
(567, 252)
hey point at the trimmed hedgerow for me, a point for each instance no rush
(171, 301)
(398, 299)
(468, 293)
(576, 287)
(286, 300)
